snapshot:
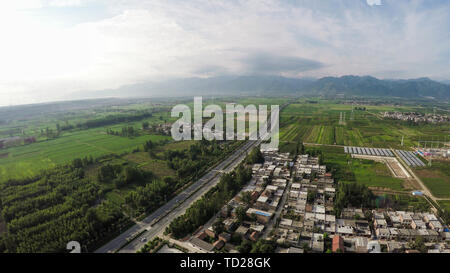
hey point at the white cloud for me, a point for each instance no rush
(148, 40)
(374, 2)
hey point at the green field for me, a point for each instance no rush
(445, 205)
(25, 161)
(371, 173)
(319, 123)
(436, 178)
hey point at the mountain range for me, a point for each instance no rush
(365, 86)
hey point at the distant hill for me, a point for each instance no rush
(370, 86)
(225, 85)
(366, 86)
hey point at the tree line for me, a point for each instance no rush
(202, 210)
(44, 213)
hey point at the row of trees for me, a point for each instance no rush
(193, 161)
(113, 119)
(128, 131)
(44, 213)
(351, 194)
(121, 176)
(260, 246)
(255, 156)
(154, 194)
(202, 210)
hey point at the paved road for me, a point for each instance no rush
(165, 214)
(155, 224)
(158, 228)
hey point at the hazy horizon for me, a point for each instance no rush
(53, 49)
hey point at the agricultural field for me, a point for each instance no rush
(372, 174)
(436, 178)
(445, 205)
(319, 123)
(28, 160)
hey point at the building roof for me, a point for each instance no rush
(294, 250)
(262, 199)
(338, 243)
(259, 212)
(219, 244)
(242, 230)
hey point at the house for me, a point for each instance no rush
(395, 247)
(262, 202)
(373, 247)
(404, 234)
(218, 244)
(308, 225)
(258, 228)
(382, 233)
(378, 215)
(261, 216)
(202, 235)
(393, 233)
(296, 186)
(317, 242)
(295, 250)
(418, 224)
(436, 225)
(338, 244)
(230, 224)
(254, 236)
(345, 227)
(242, 231)
(361, 244)
(427, 217)
(225, 237)
(286, 223)
(210, 232)
(395, 220)
(406, 218)
(380, 223)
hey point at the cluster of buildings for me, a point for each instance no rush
(264, 191)
(16, 141)
(396, 229)
(162, 128)
(292, 203)
(308, 211)
(416, 117)
(434, 152)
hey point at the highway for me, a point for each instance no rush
(156, 222)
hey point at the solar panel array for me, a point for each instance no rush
(410, 158)
(368, 151)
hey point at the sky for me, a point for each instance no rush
(52, 48)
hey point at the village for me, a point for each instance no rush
(290, 203)
(416, 117)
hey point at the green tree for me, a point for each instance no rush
(219, 226)
(246, 197)
(240, 214)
